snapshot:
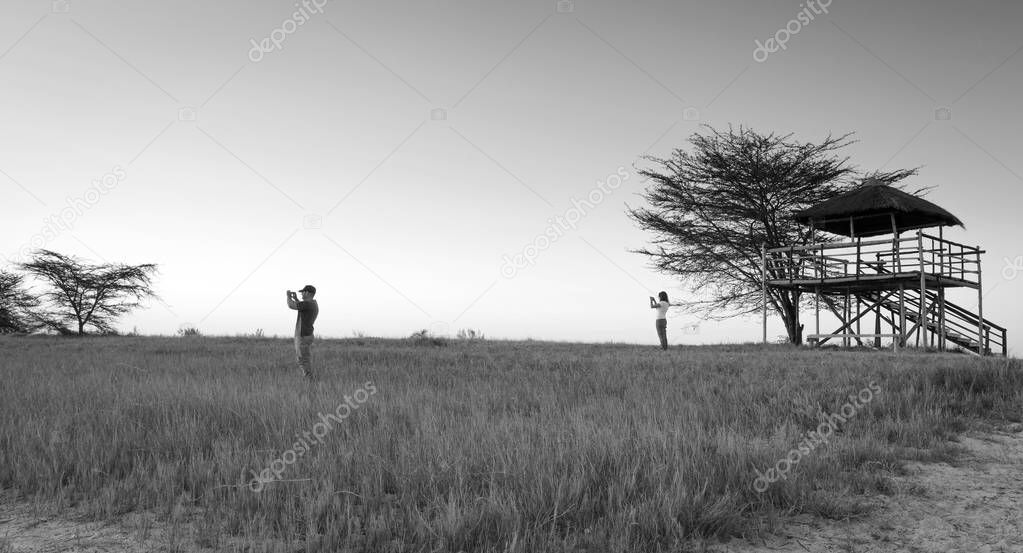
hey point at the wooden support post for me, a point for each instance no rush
(941, 317)
(962, 262)
(821, 269)
(877, 325)
(902, 315)
(896, 334)
(845, 313)
(817, 312)
(981, 346)
(897, 260)
(858, 240)
(763, 286)
(922, 322)
(859, 329)
(941, 254)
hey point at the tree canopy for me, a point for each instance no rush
(17, 305)
(81, 295)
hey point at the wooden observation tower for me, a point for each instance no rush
(898, 279)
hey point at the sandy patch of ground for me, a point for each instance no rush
(27, 530)
(973, 507)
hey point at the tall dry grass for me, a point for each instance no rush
(474, 446)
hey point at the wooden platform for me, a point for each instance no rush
(862, 282)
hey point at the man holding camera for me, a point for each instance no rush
(308, 310)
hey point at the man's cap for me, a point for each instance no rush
(309, 288)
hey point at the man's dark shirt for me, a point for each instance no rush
(307, 313)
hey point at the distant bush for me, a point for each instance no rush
(424, 338)
(257, 334)
(470, 334)
(189, 331)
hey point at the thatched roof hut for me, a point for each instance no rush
(875, 208)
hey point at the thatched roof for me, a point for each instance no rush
(871, 205)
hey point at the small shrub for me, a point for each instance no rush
(189, 331)
(424, 338)
(470, 334)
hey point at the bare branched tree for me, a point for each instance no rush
(82, 295)
(17, 305)
(713, 208)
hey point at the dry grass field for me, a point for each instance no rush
(468, 445)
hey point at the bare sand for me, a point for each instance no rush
(975, 506)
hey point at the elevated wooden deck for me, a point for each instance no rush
(867, 282)
(900, 281)
(920, 260)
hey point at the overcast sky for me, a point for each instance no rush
(392, 153)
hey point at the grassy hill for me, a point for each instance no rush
(475, 445)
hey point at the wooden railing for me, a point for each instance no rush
(916, 253)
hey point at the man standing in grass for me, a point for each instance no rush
(307, 309)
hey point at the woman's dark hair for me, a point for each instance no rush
(663, 296)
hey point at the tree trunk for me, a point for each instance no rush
(81, 328)
(790, 315)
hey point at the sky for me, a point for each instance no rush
(396, 154)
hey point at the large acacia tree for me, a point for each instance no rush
(80, 295)
(714, 206)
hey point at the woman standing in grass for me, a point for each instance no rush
(661, 304)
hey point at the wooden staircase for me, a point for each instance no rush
(961, 326)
